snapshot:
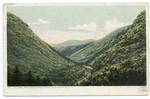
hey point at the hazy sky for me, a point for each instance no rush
(56, 24)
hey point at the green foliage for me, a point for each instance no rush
(27, 79)
(125, 73)
(69, 76)
(16, 75)
(126, 46)
(30, 76)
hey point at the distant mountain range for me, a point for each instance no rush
(73, 42)
(71, 46)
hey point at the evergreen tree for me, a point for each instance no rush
(44, 82)
(9, 81)
(38, 80)
(17, 75)
(30, 77)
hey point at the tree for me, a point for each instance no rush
(38, 80)
(44, 82)
(30, 76)
(9, 78)
(17, 75)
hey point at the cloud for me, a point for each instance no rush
(88, 27)
(58, 36)
(39, 21)
(114, 24)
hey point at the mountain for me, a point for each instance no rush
(125, 62)
(130, 45)
(73, 42)
(71, 46)
(27, 52)
(89, 52)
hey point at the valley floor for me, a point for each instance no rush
(73, 76)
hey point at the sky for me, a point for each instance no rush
(57, 24)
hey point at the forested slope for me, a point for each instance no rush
(125, 62)
(27, 52)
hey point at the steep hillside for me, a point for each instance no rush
(27, 51)
(89, 52)
(125, 62)
(132, 44)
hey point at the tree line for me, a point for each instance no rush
(18, 78)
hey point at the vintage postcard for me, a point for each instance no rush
(76, 49)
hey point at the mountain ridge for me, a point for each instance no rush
(73, 42)
(71, 46)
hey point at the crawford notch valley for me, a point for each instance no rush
(77, 48)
